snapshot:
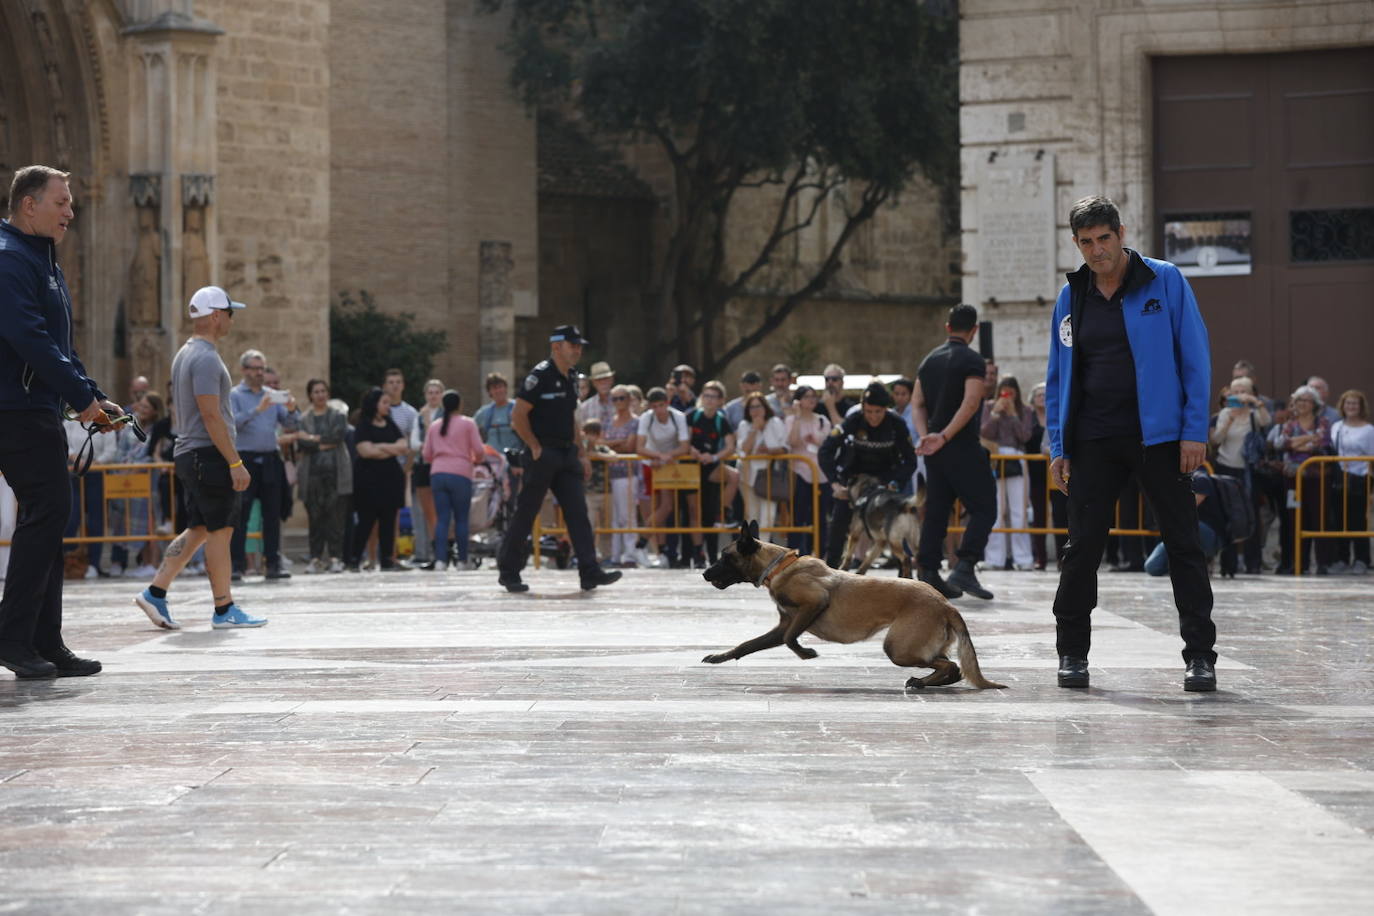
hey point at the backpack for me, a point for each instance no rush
(1236, 507)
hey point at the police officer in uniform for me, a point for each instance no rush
(545, 419)
(873, 441)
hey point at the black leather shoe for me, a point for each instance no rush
(600, 577)
(966, 579)
(27, 664)
(68, 665)
(932, 578)
(1201, 676)
(513, 584)
(277, 574)
(1073, 672)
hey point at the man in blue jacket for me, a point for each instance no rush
(1127, 392)
(39, 373)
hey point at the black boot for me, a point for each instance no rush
(1073, 671)
(964, 578)
(932, 578)
(1200, 677)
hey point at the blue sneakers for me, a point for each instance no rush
(236, 619)
(156, 609)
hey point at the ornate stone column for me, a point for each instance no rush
(172, 160)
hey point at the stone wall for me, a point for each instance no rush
(272, 198)
(1072, 80)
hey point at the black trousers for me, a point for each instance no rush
(1347, 509)
(1099, 470)
(960, 472)
(33, 458)
(841, 512)
(379, 510)
(267, 480)
(560, 470)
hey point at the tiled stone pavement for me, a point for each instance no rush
(427, 743)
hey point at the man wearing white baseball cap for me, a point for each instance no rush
(208, 467)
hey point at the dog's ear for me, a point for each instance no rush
(748, 539)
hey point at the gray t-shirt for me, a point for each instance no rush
(197, 369)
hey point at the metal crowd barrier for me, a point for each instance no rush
(683, 478)
(124, 483)
(1048, 528)
(1321, 531)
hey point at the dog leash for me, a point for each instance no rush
(85, 455)
(780, 562)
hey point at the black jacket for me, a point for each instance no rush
(855, 448)
(39, 367)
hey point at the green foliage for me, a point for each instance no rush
(364, 342)
(811, 97)
(801, 353)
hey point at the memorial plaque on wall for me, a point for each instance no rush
(1016, 241)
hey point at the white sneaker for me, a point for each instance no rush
(115, 571)
(164, 528)
(195, 569)
(1338, 568)
(313, 568)
(91, 572)
(146, 571)
(1358, 568)
(641, 557)
(286, 562)
(336, 565)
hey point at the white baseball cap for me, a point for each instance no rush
(209, 298)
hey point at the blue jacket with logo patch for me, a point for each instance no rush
(1173, 359)
(39, 367)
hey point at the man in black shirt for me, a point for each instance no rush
(872, 441)
(945, 407)
(545, 420)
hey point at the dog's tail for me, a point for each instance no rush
(968, 658)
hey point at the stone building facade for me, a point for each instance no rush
(1173, 109)
(289, 150)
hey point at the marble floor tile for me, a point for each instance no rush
(428, 743)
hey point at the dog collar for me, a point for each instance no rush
(781, 562)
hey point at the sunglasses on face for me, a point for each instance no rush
(834, 378)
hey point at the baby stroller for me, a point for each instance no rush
(492, 505)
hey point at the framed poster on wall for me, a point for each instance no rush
(1208, 244)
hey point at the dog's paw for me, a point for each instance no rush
(715, 659)
(806, 653)
(914, 683)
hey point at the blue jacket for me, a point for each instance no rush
(39, 367)
(1173, 359)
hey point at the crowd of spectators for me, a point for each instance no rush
(684, 454)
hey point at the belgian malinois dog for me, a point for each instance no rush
(889, 519)
(923, 629)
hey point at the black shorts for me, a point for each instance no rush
(208, 484)
(419, 474)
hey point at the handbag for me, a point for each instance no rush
(773, 484)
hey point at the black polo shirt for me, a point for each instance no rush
(1107, 403)
(942, 376)
(553, 397)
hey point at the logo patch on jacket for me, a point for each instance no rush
(52, 283)
(1152, 307)
(1066, 332)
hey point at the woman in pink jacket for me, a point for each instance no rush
(453, 446)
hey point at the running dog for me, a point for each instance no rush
(923, 629)
(888, 518)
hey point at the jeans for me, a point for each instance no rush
(1157, 564)
(88, 498)
(452, 497)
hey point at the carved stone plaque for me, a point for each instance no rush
(1016, 257)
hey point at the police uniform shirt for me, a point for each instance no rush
(942, 375)
(553, 399)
